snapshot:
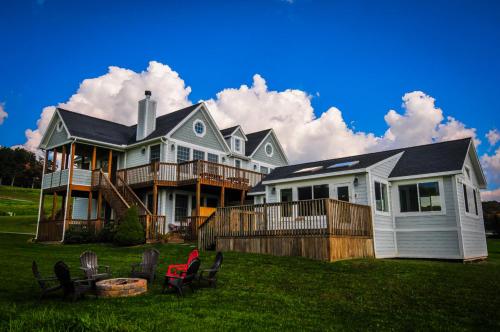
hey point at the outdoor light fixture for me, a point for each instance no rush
(170, 196)
(356, 182)
(172, 147)
(273, 190)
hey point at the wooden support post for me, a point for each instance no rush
(54, 205)
(63, 158)
(89, 207)
(71, 165)
(198, 197)
(54, 160)
(110, 160)
(69, 211)
(99, 206)
(155, 200)
(46, 161)
(222, 196)
(94, 155)
(242, 197)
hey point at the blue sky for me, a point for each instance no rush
(361, 56)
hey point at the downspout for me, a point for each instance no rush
(40, 202)
(67, 190)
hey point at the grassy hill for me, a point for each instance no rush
(19, 209)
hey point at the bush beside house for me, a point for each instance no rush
(129, 231)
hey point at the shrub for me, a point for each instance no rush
(75, 235)
(129, 231)
(107, 233)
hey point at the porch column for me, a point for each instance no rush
(54, 160)
(222, 196)
(155, 200)
(89, 207)
(242, 197)
(63, 158)
(110, 160)
(99, 205)
(67, 213)
(198, 197)
(94, 155)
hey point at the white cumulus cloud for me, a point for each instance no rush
(491, 165)
(305, 136)
(490, 195)
(3, 114)
(493, 136)
(114, 96)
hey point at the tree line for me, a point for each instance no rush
(20, 167)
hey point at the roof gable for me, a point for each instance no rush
(55, 135)
(211, 139)
(432, 158)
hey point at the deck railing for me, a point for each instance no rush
(189, 172)
(324, 217)
(154, 226)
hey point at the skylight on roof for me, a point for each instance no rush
(344, 164)
(309, 169)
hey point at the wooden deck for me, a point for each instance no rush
(324, 229)
(189, 173)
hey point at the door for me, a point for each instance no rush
(181, 207)
(343, 192)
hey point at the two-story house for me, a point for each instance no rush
(176, 168)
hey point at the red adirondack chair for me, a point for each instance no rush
(179, 270)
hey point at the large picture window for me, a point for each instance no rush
(420, 197)
(381, 197)
(182, 154)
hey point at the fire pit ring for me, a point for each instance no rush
(121, 287)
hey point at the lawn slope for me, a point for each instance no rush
(259, 292)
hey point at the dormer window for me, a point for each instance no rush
(237, 144)
(199, 128)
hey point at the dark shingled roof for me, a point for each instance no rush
(423, 159)
(88, 127)
(228, 131)
(254, 140)
(258, 188)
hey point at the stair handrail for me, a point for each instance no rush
(133, 194)
(112, 186)
(203, 241)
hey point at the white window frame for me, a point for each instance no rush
(195, 122)
(389, 197)
(59, 126)
(334, 190)
(395, 195)
(241, 163)
(470, 198)
(237, 139)
(272, 149)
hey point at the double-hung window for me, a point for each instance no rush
(420, 197)
(381, 197)
(182, 154)
(154, 153)
(469, 200)
(198, 155)
(237, 144)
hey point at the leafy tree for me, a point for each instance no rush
(129, 231)
(20, 167)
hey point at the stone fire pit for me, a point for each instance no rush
(121, 287)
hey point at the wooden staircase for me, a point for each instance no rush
(120, 197)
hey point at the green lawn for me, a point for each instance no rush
(22, 201)
(259, 292)
(18, 224)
